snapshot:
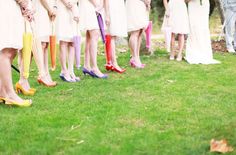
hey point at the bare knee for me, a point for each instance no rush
(63, 44)
(135, 34)
(9, 53)
(71, 44)
(94, 35)
(44, 45)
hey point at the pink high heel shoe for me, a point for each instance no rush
(134, 65)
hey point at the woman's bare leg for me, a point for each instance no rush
(181, 46)
(45, 61)
(94, 35)
(87, 52)
(139, 46)
(71, 62)
(63, 59)
(6, 87)
(133, 43)
(172, 52)
(113, 53)
(38, 57)
(22, 81)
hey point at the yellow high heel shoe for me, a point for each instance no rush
(33, 90)
(1, 100)
(20, 89)
(26, 103)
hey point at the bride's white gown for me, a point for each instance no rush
(198, 49)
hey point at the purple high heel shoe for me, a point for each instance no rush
(104, 76)
(85, 71)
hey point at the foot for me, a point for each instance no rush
(118, 69)
(135, 64)
(172, 55)
(179, 57)
(24, 84)
(86, 71)
(50, 79)
(19, 89)
(98, 74)
(74, 78)
(66, 77)
(44, 81)
(231, 50)
(172, 58)
(13, 99)
(88, 68)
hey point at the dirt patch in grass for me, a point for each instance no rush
(219, 46)
(137, 122)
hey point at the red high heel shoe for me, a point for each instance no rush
(108, 67)
(118, 70)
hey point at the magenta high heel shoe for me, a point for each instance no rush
(134, 65)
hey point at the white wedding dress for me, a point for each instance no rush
(198, 49)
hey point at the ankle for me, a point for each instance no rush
(64, 72)
(3, 93)
(87, 67)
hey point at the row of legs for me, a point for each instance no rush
(90, 61)
(7, 55)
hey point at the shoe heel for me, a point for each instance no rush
(108, 68)
(132, 64)
(18, 91)
(39, 82)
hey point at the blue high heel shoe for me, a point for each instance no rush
(85, 71)
(64, 79)
(76, 79)
(104, 76)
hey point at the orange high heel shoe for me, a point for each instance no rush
(20, 89)
(26, 103)
(40, 81)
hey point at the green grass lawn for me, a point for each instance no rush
(167, 108)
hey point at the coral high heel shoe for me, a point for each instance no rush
(26, 103)
(20, 89)
(40, 81)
